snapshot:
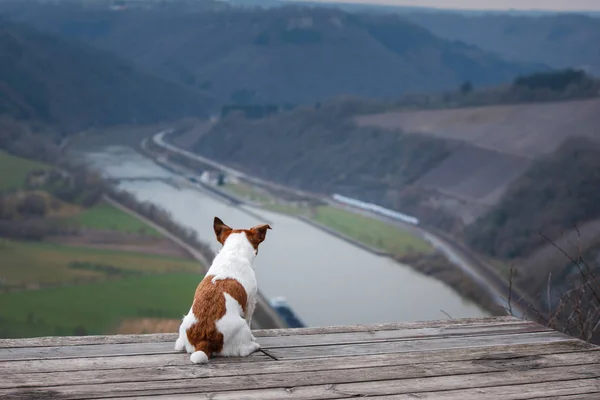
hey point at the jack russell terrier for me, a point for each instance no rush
(218, 322)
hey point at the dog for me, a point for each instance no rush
(218, 323)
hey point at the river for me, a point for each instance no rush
(326, 280)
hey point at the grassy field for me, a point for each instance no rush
(15, 170)
(34, 263)
(370, 231)
(248, 192)
(104, 216)
(366, 230)
(286, 209)
(95, 308)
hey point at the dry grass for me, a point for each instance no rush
(138, 326)
(576, 310)
(548, 125)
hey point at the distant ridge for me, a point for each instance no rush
(287, 55)
(365, 5)
(63, 82)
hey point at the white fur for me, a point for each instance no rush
(235, 261)
(182, 342)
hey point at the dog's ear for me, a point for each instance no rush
(259, 232)
(221, 230)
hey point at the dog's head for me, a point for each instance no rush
(255, 235)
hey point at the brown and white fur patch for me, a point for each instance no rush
(218, 322)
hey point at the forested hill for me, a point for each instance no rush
(72, 85)
(560, 41)
(281, 55)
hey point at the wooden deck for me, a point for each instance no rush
(487, 359)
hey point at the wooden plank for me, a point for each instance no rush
(514, 393)
(386, 326)
(96, 350)
(74, 352)
(283, 341)
(167, 347)
(359, 382)
(171, 337)
(59, 341)
(257, 362)
(302, 340)
(413, 345)
(16, 380)
(405, 334)
(584, 389)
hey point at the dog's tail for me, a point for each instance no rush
(202, 353)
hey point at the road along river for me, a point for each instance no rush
(326, 280)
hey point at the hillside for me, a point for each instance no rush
(70, 85)
(440, 164)
(280, 55)
(502, 180)
(559, 41)
(500, 142)
(321, 150)
(556, 193)
(547, 226)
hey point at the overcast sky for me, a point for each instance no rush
(561, 5)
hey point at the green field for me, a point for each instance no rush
(286, 209)
(26, 263)
(371, 231)
(14, 170)
(104, 216)
(95, 308)
(248, 192)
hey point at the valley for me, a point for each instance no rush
(294, 253)
(483, 127)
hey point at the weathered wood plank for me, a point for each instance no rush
(298, 341)
(332, 338)
(354, 382)
(171, 337)
(377, 371)
(267, 344)
(402, 346)
(584, 389)
(254, 363)
(56, 353)
(388, 326)
(406, 334)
